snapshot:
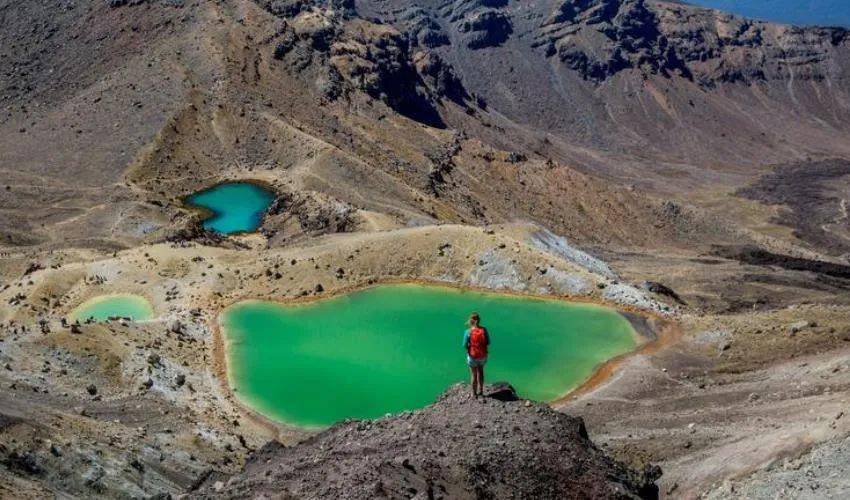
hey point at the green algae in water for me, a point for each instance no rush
(110, 306)
(236, 207)
(396, 347)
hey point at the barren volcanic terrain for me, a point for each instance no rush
(688, 167)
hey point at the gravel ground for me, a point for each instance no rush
(822, 473)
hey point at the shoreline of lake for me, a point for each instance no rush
(224, 339)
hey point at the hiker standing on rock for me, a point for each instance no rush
(475, 341)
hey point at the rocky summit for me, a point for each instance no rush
(495, 446)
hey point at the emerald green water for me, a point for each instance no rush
(110, 306)
(396, 347)
(235, 207)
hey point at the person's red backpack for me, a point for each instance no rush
(478, 343)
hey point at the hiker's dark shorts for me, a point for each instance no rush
(474, 363)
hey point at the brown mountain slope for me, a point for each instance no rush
(215, 93)
(145, 101)
(673, 94)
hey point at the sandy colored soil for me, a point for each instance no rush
(165, 378)
(711, 398)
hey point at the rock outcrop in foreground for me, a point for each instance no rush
(459, 447)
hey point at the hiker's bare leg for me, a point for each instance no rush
(474, 373)
(481, 380)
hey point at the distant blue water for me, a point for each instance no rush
(799, 12)
(236, 206)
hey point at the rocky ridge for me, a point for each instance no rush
(600, 38)
(498, 446)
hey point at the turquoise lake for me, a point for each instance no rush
(111, 306)
(234, 207)
(798, 12)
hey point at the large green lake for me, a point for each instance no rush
(396, 347)
(112, 306)
(234, 207)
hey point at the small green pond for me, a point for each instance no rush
(111, 306)
(234, 207)
(396, 347)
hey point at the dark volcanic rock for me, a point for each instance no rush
(599, 38)
(424, 30)
(385, 70)
(458, 447)
(485, 28)
(7, 421)
(480, 23)
(120, 3)
(662, 289)
(352, 54)
(289, 8)
(196, 232)
(760, 257)
(286, 8)
(815, 197)
(25, 463)
(440, 77)
(301, 213)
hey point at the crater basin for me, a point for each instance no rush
(391, 348)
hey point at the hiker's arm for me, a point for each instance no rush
(487, 336)
(466, 339)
